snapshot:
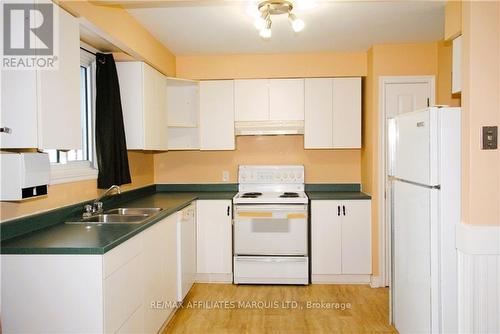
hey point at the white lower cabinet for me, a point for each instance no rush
(130, 289)
(341, 241)
(214, 240)
(159, 258)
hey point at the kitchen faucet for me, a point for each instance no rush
(96, 206)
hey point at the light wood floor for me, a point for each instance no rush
(369, 310)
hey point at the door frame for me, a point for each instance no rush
(384, 226)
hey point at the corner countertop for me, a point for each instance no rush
(52, 236)
(77, 239)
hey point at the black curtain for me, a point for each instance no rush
(111, 147)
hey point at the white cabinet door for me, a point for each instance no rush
(144, 105)
(160, 271)
(456, 75)
(318, 122)
(251, 100)
(217, 115)
(155, 109)
(59, 113)
(356, 237)
(326, 240)
(18, 110)
(286, 99)
(347, 113)
(131, 82)
(214, 237)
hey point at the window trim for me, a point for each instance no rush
(74, 171)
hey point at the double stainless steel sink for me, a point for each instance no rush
(119, 216)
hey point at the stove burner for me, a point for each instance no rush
(251, 195)
(289, 195)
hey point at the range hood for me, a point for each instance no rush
(269, 128)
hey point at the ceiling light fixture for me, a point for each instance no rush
(275, 7)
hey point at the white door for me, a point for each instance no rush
(400, 95)
(318, 119)
(251, 100)
(356, 237)
(347, 113)
(213, 237)
(59, 113)
(286, 99)
(326, 239)
(411, 290)
(186, 248)
(217, 115)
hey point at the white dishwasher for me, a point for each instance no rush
(186, 251)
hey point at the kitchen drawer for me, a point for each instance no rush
(122, 294)
(269, 270)
(119, 256)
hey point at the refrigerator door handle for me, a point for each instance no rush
(437, 186)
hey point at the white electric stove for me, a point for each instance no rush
(271, 226)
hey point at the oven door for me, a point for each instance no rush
(275, 229)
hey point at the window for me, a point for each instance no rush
(74, 165)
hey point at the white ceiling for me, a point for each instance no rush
(216, 27)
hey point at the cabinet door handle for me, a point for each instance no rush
(343, 209)
(338, 210)
(228, 210)
(5, 130)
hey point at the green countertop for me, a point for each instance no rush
(77, 239)
(51, 236)
(337, 195)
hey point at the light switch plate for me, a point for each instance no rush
(225, 176)
(490, 138)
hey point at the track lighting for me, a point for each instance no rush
(297, 24)
(275, 7)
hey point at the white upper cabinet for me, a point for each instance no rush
(217, 115)
(251, 100)
(41, 108)
(286, 99)
(332, 113)
(318, 123)
(456, 75)
(347, 113)
(143, 97)
(18, 114)
(183, 113)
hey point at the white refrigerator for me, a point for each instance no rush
(424, 168)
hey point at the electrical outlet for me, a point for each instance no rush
(490, 138)
(225, 176)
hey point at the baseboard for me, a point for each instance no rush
(214, 278)
(478, 278)
(340, 279)
(376, 282)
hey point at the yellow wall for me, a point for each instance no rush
(321, 166)
(141, 170)
(453, 19)
(272, 65)
(481, 106)
(387, 60)
(119, 26)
